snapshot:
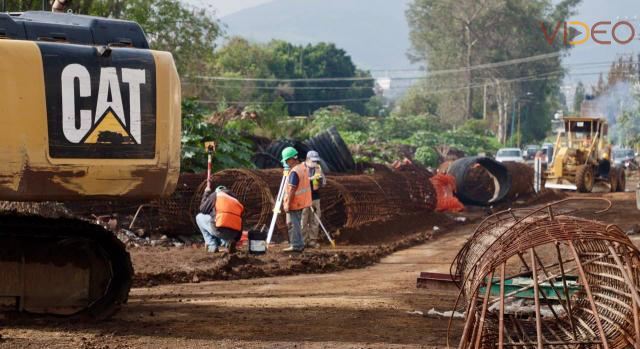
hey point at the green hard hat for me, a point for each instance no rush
(288, 153)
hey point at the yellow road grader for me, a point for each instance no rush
(582, 157)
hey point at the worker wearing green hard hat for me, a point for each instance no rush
(288, 153)
(297, 197)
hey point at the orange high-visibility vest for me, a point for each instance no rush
(301, 198)
(228, 212)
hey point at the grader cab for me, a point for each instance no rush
(582, 157)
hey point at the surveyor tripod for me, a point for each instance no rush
(278, 205)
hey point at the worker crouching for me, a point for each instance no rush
(297, 197)
(226, 228)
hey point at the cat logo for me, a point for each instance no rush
(108, 125)
(99, 107)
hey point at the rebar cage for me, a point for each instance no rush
(542, 278)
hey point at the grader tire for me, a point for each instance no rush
(622, 180)
(584, 179)
(613, 179)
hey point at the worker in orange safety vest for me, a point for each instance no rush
(220, 219)
(297, 197)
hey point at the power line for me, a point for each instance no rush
(527, 78)
(224, 78)
(286, 87)
(576, 66)
(367, 99)
(429, 73)
(292, 102)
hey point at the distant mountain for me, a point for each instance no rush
(374, 32)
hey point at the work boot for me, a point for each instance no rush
(231, 246)
(291, 249)
(212, 248)
(313, 244)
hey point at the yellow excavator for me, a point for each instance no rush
(87, 112)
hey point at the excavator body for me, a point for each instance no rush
(87, 111)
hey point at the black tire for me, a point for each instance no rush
(622, 181)
(613, 179)
(584, 179)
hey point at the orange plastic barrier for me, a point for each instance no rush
(445, 186)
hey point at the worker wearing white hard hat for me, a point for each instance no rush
(311, 224)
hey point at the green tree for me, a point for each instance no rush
(189, 33)
(578, 97)
(240, 58)
(454, 35)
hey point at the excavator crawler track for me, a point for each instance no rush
(62, 267)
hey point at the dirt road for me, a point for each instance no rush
(356, 308)
(363, 308)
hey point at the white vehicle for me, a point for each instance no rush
(509, 154)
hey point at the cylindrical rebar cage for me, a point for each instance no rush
(541, 278)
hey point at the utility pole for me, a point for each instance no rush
(484, 103)
(513, 119)
(519, 114)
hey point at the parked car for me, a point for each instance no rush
(530, 151)
(626, 158)
(509, 154)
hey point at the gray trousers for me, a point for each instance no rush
(294, 223)
(310, 225)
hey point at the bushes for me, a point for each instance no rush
(392, 138)
(232, 151)
(380, 140)
(427, 156)
(343, 119)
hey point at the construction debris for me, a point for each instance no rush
(445, 314)
(436, 281)
(540, 277)
(445, 186)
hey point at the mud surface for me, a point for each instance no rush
(373, 307)
(377, 306)
(154, 266)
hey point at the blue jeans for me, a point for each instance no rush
(294, 223)
(208, 231)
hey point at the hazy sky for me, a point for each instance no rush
(227, 7)
(587, 60)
